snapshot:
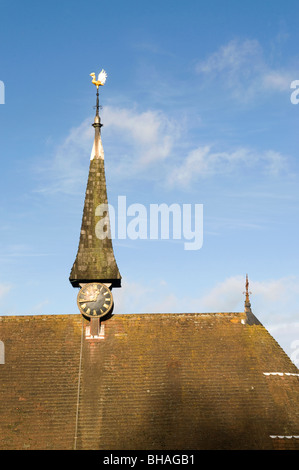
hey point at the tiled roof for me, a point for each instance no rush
(150, 381)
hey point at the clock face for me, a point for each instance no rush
(94, 300)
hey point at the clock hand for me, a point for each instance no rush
(93, 299)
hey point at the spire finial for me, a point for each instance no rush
(97, 150)
(247, 293)
(247, 289)
(98, 82)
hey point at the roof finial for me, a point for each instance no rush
(98, 82)
(247, 293)
(247, 290)
(97, 150)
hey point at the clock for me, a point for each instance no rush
(94, 300)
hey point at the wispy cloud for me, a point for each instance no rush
(287, 335)
(149, 135)
(135, 142)
(148, 145)
(20, 251)
(66, 169)
(233, 58)
(206, 162)
(39, 308)
(242, 68)
(273, 301)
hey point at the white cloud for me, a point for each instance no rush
(68, 167)
(242, 68)
(133, 297)
(204, 162)
(134, 142)
(150, 135)
(277, 298)
(224, 297)
(287, 335)
(277, 80)
(232, 58)
(20, 251)
(273, 301)
(147, 145)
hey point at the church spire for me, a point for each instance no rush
(95, 261)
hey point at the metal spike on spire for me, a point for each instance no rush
(98, 104)
(247, 293)
(97, 150)
(97, 119)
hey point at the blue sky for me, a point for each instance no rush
(196, 110)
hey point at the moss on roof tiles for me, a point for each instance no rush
(155, 381)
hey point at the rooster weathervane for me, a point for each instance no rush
(98, 82)
(101, 78)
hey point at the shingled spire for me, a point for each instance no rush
(95, 261)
